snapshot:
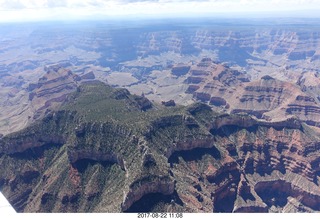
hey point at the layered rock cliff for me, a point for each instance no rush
(22, 103)
(269, 99)
(102, 151)
(131, 54)
(52, 89)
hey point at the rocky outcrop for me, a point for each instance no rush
(52, 89)
(203, 97)
(139, 102)
(194, 80)
(180, 70)
(192, 88)
(246, 122)
(218, 101)
(75, 156)
(147, 185)
(142, 103)
(168, 103)
(272, 98)
(269, 99)
(25, 103)
(88, 76)
(214, 83)
(189, 145)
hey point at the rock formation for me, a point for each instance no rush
(22, 102)
(100, 152)
(270, 99)
(88, 147)
(52, 89)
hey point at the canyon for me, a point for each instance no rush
(102, 151)
(195, 116)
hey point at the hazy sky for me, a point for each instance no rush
(12, 10)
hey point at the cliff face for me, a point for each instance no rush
(101, 152)
(29, 102)
(272, 99)
(279, 51)
(287, 52)
(262, 168)
(240, 42)
(214, 83)
(52, 89)
(274, 163)
(236, 45)
(269, 99)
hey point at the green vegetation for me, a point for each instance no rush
(101, 141)
(104, 148)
